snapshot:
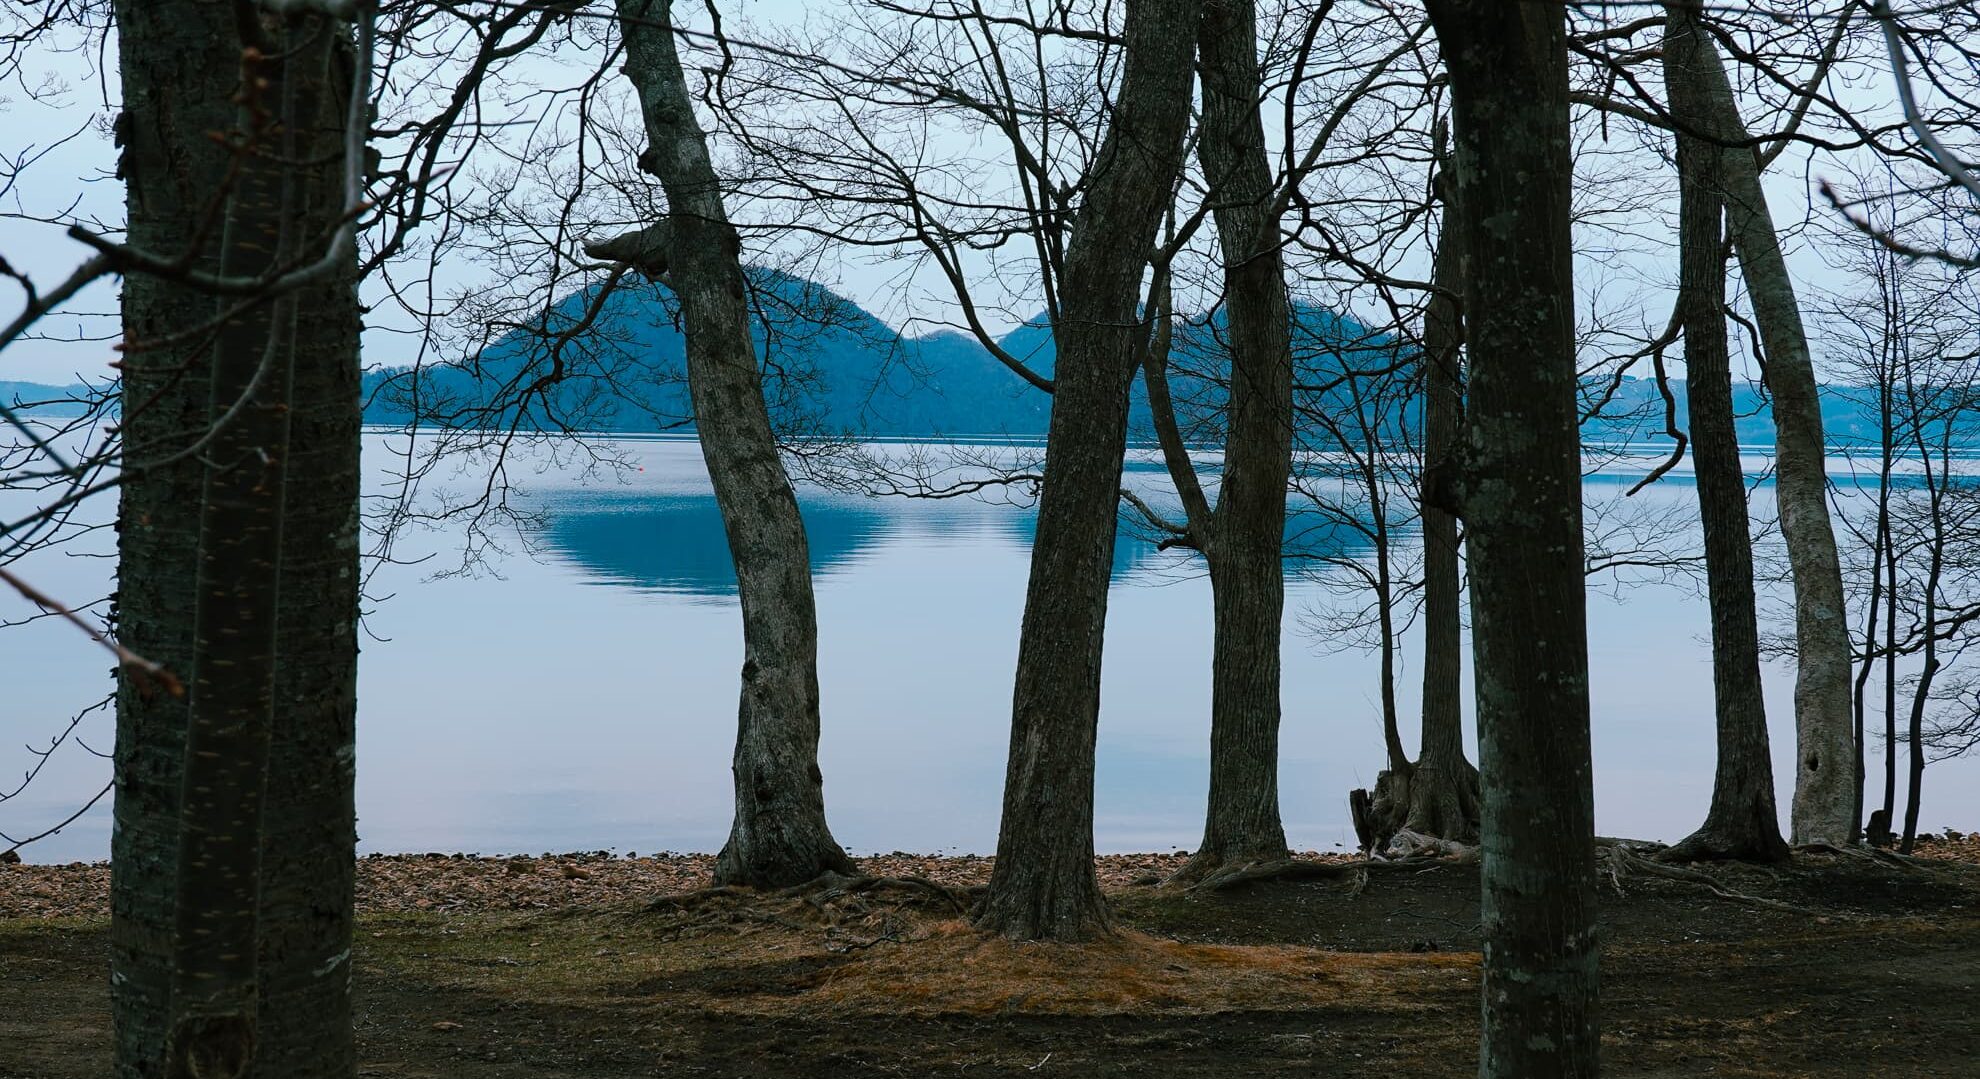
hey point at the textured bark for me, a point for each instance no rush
(1243, 540)
(779, 836)
(1519, 492)
(308, 815)
(1043, 886)
(1824, 789)
(1742, 822)
(231, 695)
(179, 64)
(267, 988)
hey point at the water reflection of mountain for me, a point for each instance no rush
(672, 541)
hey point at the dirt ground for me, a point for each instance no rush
(1875, 972)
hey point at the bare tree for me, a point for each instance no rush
(1044, 886)
(1517, 486)
(1443, 784)
(1241, 536)
(1909, 335)
(1742, 821)
(779, 836)
(1437, 793)
(1824, 788)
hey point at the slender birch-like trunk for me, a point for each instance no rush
(779, 836)
(1824, 789)
(1742, 821)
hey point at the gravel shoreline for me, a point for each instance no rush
(402, 883)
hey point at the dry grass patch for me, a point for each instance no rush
(905, 964)
(948, 968)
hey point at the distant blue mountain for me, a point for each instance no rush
(835, 368)
(45, 400)
(1849, 415)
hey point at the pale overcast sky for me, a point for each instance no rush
(75, 179)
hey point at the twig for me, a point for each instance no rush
(144, 669)
(1942, 156)
(66, 821)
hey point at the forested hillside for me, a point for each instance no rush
(842, 370)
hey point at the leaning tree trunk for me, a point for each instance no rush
(1824, 788)
(1043, 886)
(1742, 822)
(1243, 543)
(779, 836)
(1518, 489)
(187, 914)
(1436, 795)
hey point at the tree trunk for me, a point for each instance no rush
(1859, 689)
(308, 816)
(179, 65)
(1742, 822)
(1937, 481)
(1043, 886)
(189, 914)
(1884, 525)
(779, 836)
(1437, 794)
(1824, 793)
(1243, 544)
(1519, 492)
(1443, 786)
(217, 893)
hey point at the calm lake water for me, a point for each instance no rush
(583, 697)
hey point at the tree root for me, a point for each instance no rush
(1425, 799)
(1303, 869)
(1871, 854)
(1409, 843)
(1623, 860)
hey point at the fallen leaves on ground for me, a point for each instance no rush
(1950, 845)
(402, 883)
(410, 883)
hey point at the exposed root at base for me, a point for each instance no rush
(1871, 854)
(1623, 861)
(1302, 869)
